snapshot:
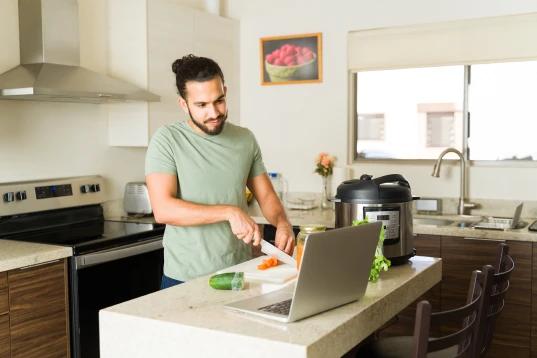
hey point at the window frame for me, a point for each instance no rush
(352, 127)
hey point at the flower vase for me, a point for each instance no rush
(325, 204)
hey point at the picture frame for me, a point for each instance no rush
(291, 59)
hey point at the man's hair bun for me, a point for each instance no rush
(194, 68)
(176, 64)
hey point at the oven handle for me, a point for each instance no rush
(96, 258)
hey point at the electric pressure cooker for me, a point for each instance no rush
(387, 199)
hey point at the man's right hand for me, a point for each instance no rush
(243, 226)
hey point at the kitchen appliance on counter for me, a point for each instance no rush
(136, 199)
(387, 199)
(112, 261)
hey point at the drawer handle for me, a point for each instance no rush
(481, 239)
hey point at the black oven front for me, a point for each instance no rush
(107, 277)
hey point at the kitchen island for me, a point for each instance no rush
(189, 320)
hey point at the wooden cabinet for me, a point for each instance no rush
(463, 255)
(460, 256)
(4, 336)
(4, 318)
(37, 324)
(145, 37)
(534, 303)
(4, 303)
(403, 323)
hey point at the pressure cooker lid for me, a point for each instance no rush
(393, 188)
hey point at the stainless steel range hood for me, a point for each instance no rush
(50, 60)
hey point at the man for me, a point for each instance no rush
(196, 173)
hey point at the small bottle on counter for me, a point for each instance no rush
(305, 230)
(277, 183)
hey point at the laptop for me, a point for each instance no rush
(334, 271)
(496, 223)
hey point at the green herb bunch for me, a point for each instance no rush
(380, 262)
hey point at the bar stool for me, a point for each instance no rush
(460, 343)
(494, 299)
(494, 283)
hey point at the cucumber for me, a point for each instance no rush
(227, 281)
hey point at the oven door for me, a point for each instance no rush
(105, 278)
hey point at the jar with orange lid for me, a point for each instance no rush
(305, 230)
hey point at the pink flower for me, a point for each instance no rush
(326, 162)
(320, 157)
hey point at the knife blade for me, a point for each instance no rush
(269, 249)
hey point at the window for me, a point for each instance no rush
(416, 113)
(440, 129)
(410, 113)
(371, 126)
(503, 114)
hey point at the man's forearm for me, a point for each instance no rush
(184, 213)
(273, 211)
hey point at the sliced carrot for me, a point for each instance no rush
(268, 263)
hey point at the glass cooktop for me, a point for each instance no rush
(84, 229)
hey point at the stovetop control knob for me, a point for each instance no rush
(84, 189)
(92, 188)
(9, 197)
(21, 195)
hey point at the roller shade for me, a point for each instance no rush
(495, 39)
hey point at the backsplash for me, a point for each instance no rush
(492, 207)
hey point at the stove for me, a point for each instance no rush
(113, 260)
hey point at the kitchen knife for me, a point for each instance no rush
(269, 249)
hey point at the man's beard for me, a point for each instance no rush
(222, 118)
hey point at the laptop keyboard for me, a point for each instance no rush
(278, 307)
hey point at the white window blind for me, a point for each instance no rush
(495, 39)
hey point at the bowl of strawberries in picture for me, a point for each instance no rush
(291, 62)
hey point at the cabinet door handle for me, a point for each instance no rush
(481, 239)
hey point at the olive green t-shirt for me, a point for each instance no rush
(210, 169)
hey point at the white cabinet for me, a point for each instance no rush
(146, 36)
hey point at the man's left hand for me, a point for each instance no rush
(285, 238)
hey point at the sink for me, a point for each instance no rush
(465, 224)
(432, 221)
(469, 218)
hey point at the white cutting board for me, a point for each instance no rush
(278, 274)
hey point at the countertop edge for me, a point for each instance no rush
(18, 254)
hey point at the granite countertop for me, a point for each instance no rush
(327, 217)
(453, 230)
(17, 254)
(190, 320)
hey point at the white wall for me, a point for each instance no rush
(295, 122)
(50, 140)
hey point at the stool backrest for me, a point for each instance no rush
(465, 317)
(494, 299)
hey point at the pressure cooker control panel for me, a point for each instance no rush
(390, 220)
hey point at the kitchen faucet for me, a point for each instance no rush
(436, 173)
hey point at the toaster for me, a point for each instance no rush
(136, 199)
